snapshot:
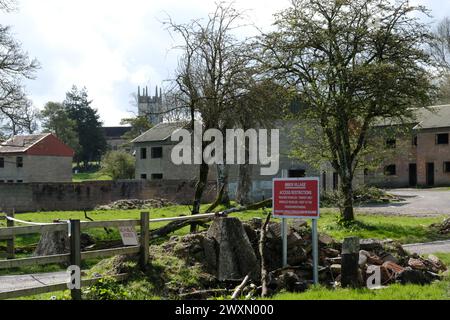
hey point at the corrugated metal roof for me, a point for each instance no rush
(20, 144)
(160, 132)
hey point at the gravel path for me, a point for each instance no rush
(427, 202)
(429, 248)
(10, 283)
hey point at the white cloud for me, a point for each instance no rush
(112, 46)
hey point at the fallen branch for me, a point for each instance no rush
(218, 200)
(264, 273)
(240, 288)
(177, 225)
(204, 293)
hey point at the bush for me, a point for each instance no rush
(118, 165)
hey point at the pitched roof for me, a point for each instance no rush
(160, 132)
(115, 132)
(20, 144)
(433, 117)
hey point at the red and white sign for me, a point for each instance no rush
(296, 198)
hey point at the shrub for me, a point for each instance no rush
(118, 165)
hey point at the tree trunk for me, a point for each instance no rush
(347, 212)
(244, 185)
(245, 180)
(201, 185)
(223, 172)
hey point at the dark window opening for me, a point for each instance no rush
(19, 162)
(157, 153)
(143, 176)
(143, 153)
(391, 143)
(447, 167)
(2, 162)
(19, 181)
(390, 170)
(10, 181)
(414, 141)
(366, 172)
(157, 176)
(442, 138)
(324, 181)
(335, 181)
(297, 173)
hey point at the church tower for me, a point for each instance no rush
(150, 107)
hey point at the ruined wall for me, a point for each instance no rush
(31, 197)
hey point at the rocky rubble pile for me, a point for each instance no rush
(442, 228)
(136, 205)
(230, 251)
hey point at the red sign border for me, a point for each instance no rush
(294, 216)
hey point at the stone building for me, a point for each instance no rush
(150, 106)
(35, 158)
(114, 138)
(153, 161)
(420, 159)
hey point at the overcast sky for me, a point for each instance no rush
(113, 46)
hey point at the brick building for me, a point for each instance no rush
(35, 158)
(419, 159)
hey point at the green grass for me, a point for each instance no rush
(93, 176)
(435, 291)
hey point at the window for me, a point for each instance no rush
(19, 162)
(324, 181)
(157, 153)
(297, 173)
(391, 143)
(143, 176)
(19, 181)
(157, 176)
(414, 141)
(447, 167)
(2, 162)
(335, 181)
(442, 138)
(366, 172)
(10, 181)
(390, 170)
(143, 153)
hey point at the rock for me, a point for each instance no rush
(325, 239)
(411, 276)
(387, 257)
(417, 264)
(332, 261)
(370, 245)
(331, 253)
(291, 282)
(234, 253)
(375, 260)
(436, 263)
(299, 224)
(393, 267)
(362, 258)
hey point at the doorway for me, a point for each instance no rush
(413, 175)
(430, 174)
(297, 173)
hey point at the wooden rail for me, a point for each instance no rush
(52, 288)
(75, 256)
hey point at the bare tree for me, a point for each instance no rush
(15, 66)
(207, 75)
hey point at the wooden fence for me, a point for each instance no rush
(76, 256)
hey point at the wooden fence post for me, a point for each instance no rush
(350, 266)
(145, 240)
(10, 251)
(75, 252)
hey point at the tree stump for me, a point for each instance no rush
(53, 243)
(234, 254)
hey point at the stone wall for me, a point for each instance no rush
(32, 197)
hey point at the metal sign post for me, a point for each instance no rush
(298, 198)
